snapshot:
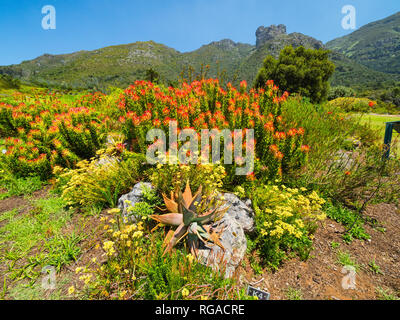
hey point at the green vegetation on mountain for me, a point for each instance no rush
(8, 82)
(375, 45)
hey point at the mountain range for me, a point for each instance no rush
(367, 58)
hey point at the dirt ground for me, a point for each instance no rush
(320, 277)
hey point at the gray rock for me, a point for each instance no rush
(107, 160)
(241, 211)
(135, 196)
(234, 242)
(238, 220)
(264, 34)
(344, 160)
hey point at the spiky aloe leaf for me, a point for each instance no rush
(168, 237)
(171, 205)
(207, 218)
(193, 242)
(170, 219)
(209, 236)
(187, 195)
(179, 233)
(196, 199)
(189, 216)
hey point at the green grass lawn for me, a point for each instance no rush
(32, 239)
(378, 122)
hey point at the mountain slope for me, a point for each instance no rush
(224, 55)
(375, 45)
(352, 74)
(116, 65)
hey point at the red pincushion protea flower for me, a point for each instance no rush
(278, 155)
(274, 148)
(292, 132)
(156, 123)
(251, 176)
(120, 147)
(305, 148)
(300, 131)
(371, 103)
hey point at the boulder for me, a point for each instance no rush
(238, 220)
(241, 211)
(135, 196)
(234, 242)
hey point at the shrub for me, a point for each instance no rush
(285, 221)
(82, 130)
(354, 177)
(334, 166)
(49, 132)
(24, 159)
(341, 92)
(137, 269)
(98, 182)
(300, 70)
(353, 104)
(172, 177)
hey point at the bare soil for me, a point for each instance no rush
(320, 277)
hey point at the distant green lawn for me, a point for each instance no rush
(378, 122)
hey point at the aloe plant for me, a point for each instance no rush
(193, 216)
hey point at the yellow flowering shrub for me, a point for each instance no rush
(135, 268)
(169, 177)
(98, 182)
(286, 219)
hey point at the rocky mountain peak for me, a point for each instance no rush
(263, 34)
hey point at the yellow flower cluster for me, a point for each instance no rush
(288, 211)
(92, 180)
(86, 278)
(125, 236)
(173, 176)
(108, 247)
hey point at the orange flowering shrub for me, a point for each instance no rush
(64, 133)
(206, 105)
(45, 132)
(82, 130)
(25, 158)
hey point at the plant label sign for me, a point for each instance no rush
(255, 292)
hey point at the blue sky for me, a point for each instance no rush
(184, 25)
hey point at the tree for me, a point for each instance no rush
(300, 70)
(9, 82)
(152, 75)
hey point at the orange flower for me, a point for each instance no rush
(251, 176)
(347, 173)
(305, 148)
